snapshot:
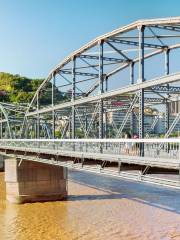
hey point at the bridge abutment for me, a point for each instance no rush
(29, 181)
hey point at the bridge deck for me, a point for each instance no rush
(147, 161)
(113, 160)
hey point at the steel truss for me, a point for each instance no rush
(11, 119)
(83, 101)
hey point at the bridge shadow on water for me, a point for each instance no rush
(153, 195)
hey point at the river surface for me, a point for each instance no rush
(97, 208)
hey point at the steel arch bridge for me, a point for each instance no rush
(98, 92)
(122, 72)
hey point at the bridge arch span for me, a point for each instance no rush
(115, 60)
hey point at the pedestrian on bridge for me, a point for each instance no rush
(128, 145)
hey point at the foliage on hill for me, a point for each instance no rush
(19, 89)
(15, 88)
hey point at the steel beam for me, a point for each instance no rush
(128, 89)
(119, 51)
(73, 118)
(167, 51)
(166, 89)
(132, 82)
(80, 73)
(53, 112)
(141, 80)
(166, 27)
(105, 110)
(141, 92)
(110, 59)
(167, 111)
(127, 115)
(132, 73)
(101, 89)
(133, 43)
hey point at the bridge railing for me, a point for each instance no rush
(155, 148)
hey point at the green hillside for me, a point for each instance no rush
(19, 89)
(15, 88)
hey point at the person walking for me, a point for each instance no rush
(128, 145)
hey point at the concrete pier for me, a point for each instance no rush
(29, 181)
(1, 163)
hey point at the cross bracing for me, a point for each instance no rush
(99, 81)
(89, 71)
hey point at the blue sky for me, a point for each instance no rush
(36, 34)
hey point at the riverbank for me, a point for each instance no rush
(97, 208)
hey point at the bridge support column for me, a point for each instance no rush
(29, 181)
(2, 163)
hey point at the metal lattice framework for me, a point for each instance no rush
(111, 85)
(11, 119)
(122, 72)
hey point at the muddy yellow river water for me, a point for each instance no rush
(97, 208)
